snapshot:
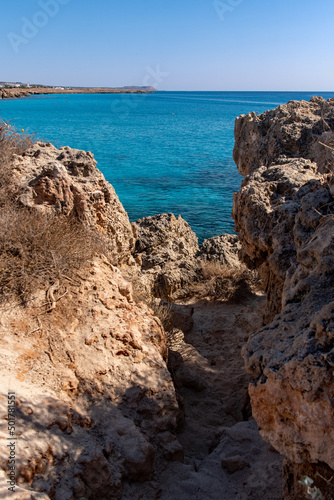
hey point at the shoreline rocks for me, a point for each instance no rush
(97, 402)
(166, 248)
(66, 182)
(285, 219)
(16, 93)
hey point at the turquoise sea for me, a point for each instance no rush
(162, 152)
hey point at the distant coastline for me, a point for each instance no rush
(14, 93)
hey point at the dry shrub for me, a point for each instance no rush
(36, 250)
(161, 308)
(11, 143)
(220, 282)
(163, 311)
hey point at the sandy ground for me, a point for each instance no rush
(225, 456)
(211, 354)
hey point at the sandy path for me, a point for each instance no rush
(225, 457)
(211, 378)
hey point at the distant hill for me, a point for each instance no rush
(150, 89)
(28, 85)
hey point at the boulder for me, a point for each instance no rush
(223, 249)
(166, 248)
(293, 130)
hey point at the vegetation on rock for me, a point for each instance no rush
(37, 249)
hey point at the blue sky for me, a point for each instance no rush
(172, 44)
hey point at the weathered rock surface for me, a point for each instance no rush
(170, 259)
(224, 249)
(285, 219)
(66, 181)
(265, 210)
(94, 397)
(97, 413)
(241, 458)
(293, 356)
(294, 130)
(166, 250)
(13, 93)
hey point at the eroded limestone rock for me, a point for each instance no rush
(167, 249)
(294, 130)
(224, 249)
(94, 396)
(285, 219)
(170, 258)
(66, 181)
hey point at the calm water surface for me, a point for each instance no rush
(162, 152)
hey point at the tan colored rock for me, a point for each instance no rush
(66, 181)
(97, 410)
(170, 259)
(293, 130)
(93, 391)
(264, 211)
(167, 247)
(14, 93)
(292, 356)
(223, 248)
(285, 219)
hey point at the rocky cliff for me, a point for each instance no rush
(102, 411)
(96, 405)
(284, 214)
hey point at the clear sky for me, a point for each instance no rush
(172, 44)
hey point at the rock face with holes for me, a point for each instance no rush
(293, 130)
(224, 249)
(285, 219)
(96, 406)
(284, 156)
(66, 181)
(170, 259)
(166, 250)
